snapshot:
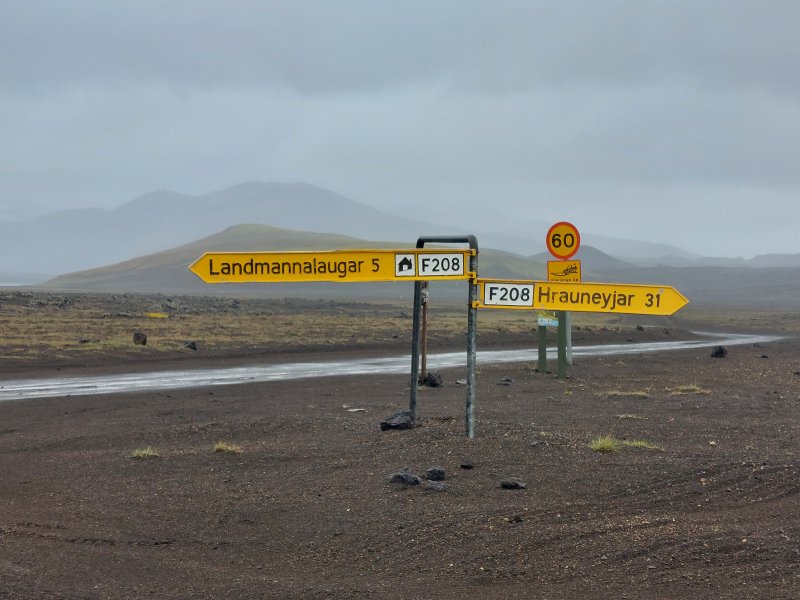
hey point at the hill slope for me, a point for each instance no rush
(167, 271)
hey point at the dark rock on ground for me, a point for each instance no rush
(435, 486)
(139, 338)
(467, 463)
(400, 420)
(404, 477)
(513, 484)
(515, 519)
(432, 379)
(436, 473)
(719, 352)
(190, 345)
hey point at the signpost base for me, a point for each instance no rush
(542, 365)
(562, 344)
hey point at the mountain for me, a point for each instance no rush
(591, 259)
(66, 241)
(167, 271)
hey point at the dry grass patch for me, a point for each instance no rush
(644, 444)
(145, 453)
(645, 393)
(683, 390)
(227, 448)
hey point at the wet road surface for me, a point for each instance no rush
(166, 380)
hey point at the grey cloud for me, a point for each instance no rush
(329, 46)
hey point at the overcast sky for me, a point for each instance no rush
(669, 121)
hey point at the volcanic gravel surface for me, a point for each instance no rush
(701, 500)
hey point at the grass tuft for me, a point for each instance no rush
(145, 453)
(682, 390)
(228, 448)
(632, 394)
(608, 443)
(605, 443)
(642, 444)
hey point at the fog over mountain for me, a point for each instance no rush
(64, 241)
(675, 123)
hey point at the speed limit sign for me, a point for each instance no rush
(563, 240)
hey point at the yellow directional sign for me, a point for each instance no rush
(608, 297)
(333, 265)
(579, 297)
(563, 270)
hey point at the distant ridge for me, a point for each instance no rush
(167, 271)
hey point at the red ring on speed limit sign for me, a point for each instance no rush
(563, 240)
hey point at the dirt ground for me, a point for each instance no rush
(708, 506)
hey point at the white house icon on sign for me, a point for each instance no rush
(404, 265)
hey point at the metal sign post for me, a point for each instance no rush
(472, 319)
(562, 344)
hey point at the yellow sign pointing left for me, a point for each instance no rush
(333, 265)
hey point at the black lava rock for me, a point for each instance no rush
(513, 484)
(436, 473)
(400, 420)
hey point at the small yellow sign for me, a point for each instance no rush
(333, 265)
(564, 270)
(608, 297)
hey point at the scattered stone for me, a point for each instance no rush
(467, 463)
(139, 338)
(764, 356)
(400, 420)
(513, 484)
(190, 345)
(506, 381)
(719, 352)
(88, 341)
(515, 519)
(464, 381)
(435, 486)
(436, 473)
(712, 443)
(628, 339)
(797, 372)
(404, 477)
(355, 410)
(639, 328)
(432, 379)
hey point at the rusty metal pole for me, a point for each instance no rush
(424, 297)
(472, 320)
(412, 406)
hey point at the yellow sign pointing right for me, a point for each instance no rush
(608, 297)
